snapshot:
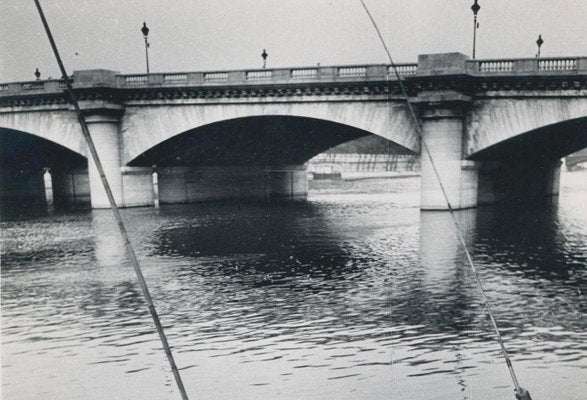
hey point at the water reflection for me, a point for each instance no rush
(352, 294)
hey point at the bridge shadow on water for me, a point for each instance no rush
(282, 240)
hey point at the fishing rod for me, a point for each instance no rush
(115, 210)
(520, 392)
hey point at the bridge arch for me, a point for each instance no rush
(526, 166)
(268, 140)
(143, 128)
(512, 125)
(61, 128)
(550, 142)
(35, 170)
(23, 149)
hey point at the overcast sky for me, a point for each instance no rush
(195, 35)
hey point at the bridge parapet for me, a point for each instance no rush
(347, 73)
(528, 66)
(565, 66)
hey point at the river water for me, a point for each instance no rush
(354, 294)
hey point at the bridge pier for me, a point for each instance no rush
(104, 130)
(288, 182)
(443, 130)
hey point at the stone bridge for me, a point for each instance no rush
(575, 160)
(497, 129)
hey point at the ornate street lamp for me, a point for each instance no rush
(475, 7)
(145, 31)
(37, 73)
(539, 43)
(264, 55)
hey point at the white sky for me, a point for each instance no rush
(195, 35)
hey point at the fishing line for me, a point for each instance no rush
(115, 211)
(519, 391)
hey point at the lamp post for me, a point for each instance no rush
(539, 43)
(37, 73)
(475, 7)
(264, 55)
(145, 31)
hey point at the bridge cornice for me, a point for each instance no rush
(477, 87)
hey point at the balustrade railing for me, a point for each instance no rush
(135, 79)
(557, 64)
(32, 86)
(496, 66)
(304, 73)
(403, 69)
(215, 76)
(175, 78)
(259, 75)
(525, 66)
(63, 85)
(347, 72)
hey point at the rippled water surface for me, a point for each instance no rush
(355, 294)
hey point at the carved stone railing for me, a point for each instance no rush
(403, 69)
(352, 71)
(496, 66)
(318, 74)
(175, 78)
(528, 65)
(215, 76)
(63, 85)
(32, 85)
(557, 64)
(259, 75)
(304, 73)
(135, 79)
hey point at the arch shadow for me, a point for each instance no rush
(25, 162)
(550, 142)
(257, 140)
(25, 150)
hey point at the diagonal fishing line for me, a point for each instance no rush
(115, 211)
(458, 228)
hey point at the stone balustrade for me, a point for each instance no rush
(347, 73)
(528, 65)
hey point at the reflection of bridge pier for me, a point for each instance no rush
(496, 128)
(441, 254)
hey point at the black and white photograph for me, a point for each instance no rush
(293, 199)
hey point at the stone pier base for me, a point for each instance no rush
(518, 181)
(193, 184)
(70, 187)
